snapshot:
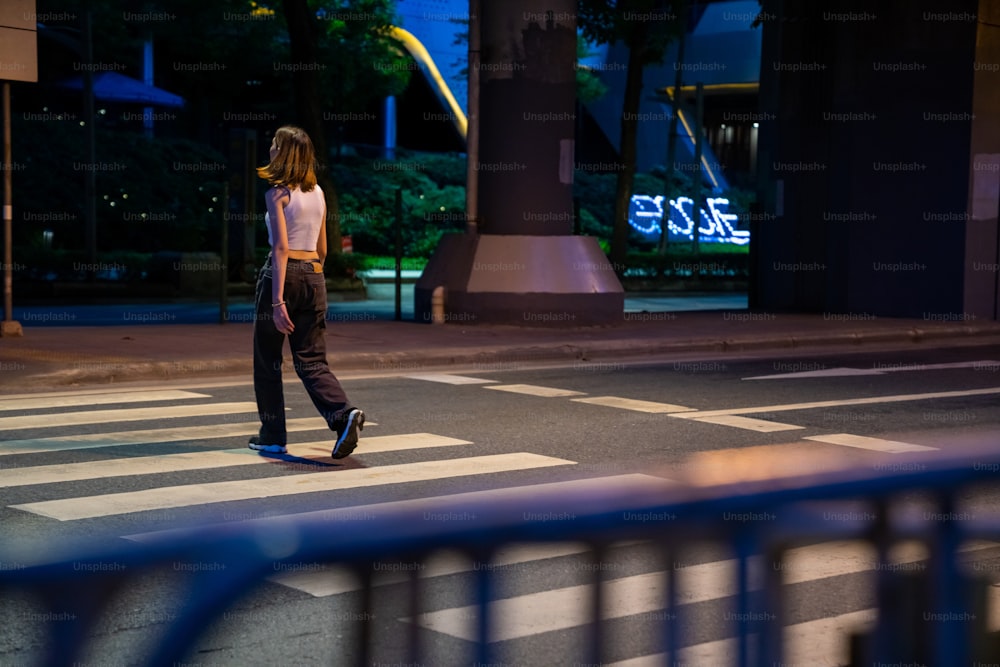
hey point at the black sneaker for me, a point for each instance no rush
(256, 445)
(347, 438)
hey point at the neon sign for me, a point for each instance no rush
(716, 225)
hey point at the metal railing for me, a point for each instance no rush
(684, 513)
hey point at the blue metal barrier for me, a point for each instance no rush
(246, 557)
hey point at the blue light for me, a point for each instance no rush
(715, 225)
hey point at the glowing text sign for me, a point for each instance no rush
(646, 217)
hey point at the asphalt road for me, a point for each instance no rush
(500, 427)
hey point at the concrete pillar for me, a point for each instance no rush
(524, 266)
(527, 94)
(875, 177)
(982, 239)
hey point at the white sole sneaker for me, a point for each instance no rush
(255, 445)
(348, 439)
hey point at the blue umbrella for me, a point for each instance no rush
(115, 87)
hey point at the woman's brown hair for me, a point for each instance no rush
(295, 163)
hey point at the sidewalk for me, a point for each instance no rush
(105, 344)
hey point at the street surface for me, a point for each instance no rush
(116, 463)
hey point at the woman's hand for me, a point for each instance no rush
(282, 322)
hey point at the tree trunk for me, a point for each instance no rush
(302, 30)
(675, 105)
(627, 152)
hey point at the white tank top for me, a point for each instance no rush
(303, 217)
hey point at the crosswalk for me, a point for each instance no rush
(41, 430)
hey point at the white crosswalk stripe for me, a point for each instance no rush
(846, 372)
(35, 402)
(820, 643)
(129, 414)
(632, 404)
(447, 378)
(147, 436)
(324, 582)
(732, 417)
(69, 509)
(762, 425)
(148, 465)
(560, 609)
(534, 390)
(868, 400)
(874, 444)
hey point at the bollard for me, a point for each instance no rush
(437, 305)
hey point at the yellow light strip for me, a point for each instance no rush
(718, 88)
(680, 116)
(421, 55)
(704, 160)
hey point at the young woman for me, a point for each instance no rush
(291, 299)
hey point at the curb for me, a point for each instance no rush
(510, 357)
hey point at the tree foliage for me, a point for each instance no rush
(238, 64)
(589, 86)
(650, 26)
(646, 28)
(371, 65)
(433, 202)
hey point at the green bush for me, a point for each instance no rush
(150, 198)
(681, 262)
(433, 204)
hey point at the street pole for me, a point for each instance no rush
(472, 123)
(19, 57)
(90, 173)
(675, 106)
(9, 327)
(224, 256)
(699, 138)
(398, 229)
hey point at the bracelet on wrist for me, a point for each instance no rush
(275, 305)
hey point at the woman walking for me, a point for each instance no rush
(291, 299)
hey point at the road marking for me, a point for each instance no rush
(880, 370)
(632, 404)
(535, 390)
(124, 415)
(874, 444)
(399, 442)
(897, 398)
(987, 364)
(119, 389)
(819, 643)
(594, 487)
(145, 465)
(824, 642)
(87, 507)
(149, 436)
(335, 581)
(447, 378)
(149, 465)
(825, 373)
(322, 584)
(761, 425)
(564, 608)
(34, 403)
